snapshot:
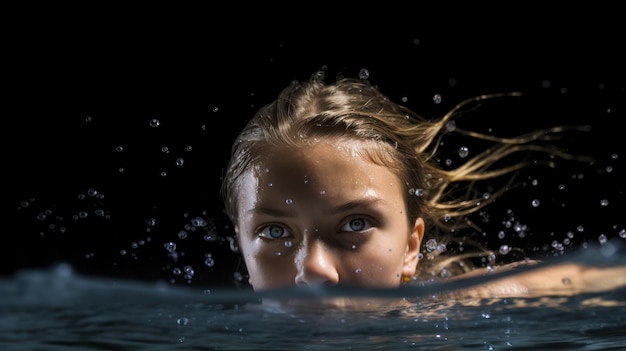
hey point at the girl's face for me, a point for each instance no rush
(322, 214)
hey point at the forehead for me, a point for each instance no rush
(328, 171)
(322, 159)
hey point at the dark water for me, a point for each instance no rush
(58, 309)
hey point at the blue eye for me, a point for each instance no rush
(357, 225)
(273, 232)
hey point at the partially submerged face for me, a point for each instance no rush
(323, 214)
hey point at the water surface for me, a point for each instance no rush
(58, 309)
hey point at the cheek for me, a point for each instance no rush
(374, 265)
(269, 266)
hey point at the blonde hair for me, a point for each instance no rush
(398, 138)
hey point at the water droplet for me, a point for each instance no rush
(463, 151)
(504, 249)
(198, 222)
(170, 246)
(450, 126)
(431, 245)
(364, 73)
(154, 123)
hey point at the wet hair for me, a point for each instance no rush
(391, 135)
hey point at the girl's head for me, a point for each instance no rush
(335, 183)
(328, 166)
(349, 111)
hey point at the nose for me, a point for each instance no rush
(315, 265)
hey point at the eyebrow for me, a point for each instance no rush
(359, 203)
(346, 207)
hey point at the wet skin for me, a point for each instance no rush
(322, 214)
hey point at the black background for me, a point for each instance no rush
(84, 82)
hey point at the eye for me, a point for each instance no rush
(273, 232)
(357, 225)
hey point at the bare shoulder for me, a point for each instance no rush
(564, 279)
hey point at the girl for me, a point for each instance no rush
(334, 184)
